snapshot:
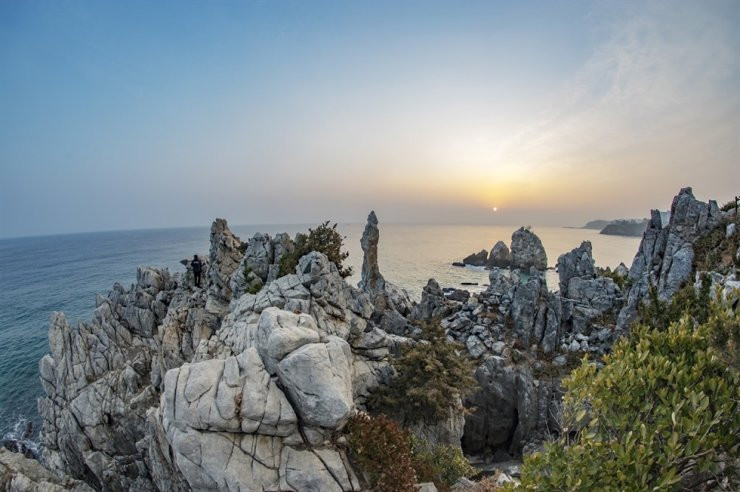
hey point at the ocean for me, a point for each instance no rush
(39, 275)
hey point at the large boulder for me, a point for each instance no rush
(577, 263)
(527, 250)
(318, 378)
(500, 256)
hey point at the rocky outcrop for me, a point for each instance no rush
(476, 259)
(527, 250)
(434, 304)
(21, 474)
(158, 392)
(512, 407)
(391, 302)
(260, 263)
(665, 256)
(226, 254)
(372, 281)
(500, 256)
(577, 263)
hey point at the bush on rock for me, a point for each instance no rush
(393, 460)
(324, 239)
(662, 414)
(431, 378)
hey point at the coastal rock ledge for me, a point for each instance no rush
(248, 382)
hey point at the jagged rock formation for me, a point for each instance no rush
(577, 263)
(260, 263)
(666, 254)
(391, 303)
(372, 281)
(622, 270)
(21, 474)
(225, 256)
(233, 387)
(521, 334)
(500, 256)
(434, 304)
(476, 259)
(160, 391)
(527, 250)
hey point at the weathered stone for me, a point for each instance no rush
(20, 474)
(666, 254)
(577, 263)
(372, 281)
(527, 250)
(433, 305)
(224, 258)
(476, 259)
(318, 378)
(500, 256)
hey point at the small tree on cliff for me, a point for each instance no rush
(324, 239)
(431, 377)
(662, 414)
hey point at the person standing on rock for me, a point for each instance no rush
(197, 267)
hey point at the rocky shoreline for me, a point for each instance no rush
(247, 383)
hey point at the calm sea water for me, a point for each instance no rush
(63, 273)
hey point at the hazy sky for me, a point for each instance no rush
(117, 115)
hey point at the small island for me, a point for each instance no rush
(623, 227)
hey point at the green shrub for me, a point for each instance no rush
(622, 281)
(431, 377)
(324, 239)
(716, 252)
(728, 206)
(724, 335)
(660, 314)
(381, 449)
(662, 414)
(441, 464)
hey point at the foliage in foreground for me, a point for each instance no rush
(381, 449)
(714, 251)
(393, 460)
(441, 464)
(324, 239)
(622, 281)
(662, 414)
(431, 378)
(687, 301)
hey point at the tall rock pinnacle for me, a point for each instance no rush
(372, 281)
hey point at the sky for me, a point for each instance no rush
(139, 114)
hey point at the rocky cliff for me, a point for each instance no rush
(173, 387)
(246, 383)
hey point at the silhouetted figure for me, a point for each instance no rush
(197, 269)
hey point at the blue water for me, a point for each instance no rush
(39, 275)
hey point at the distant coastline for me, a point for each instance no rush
(620, 227)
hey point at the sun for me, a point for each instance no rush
(495, 209)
